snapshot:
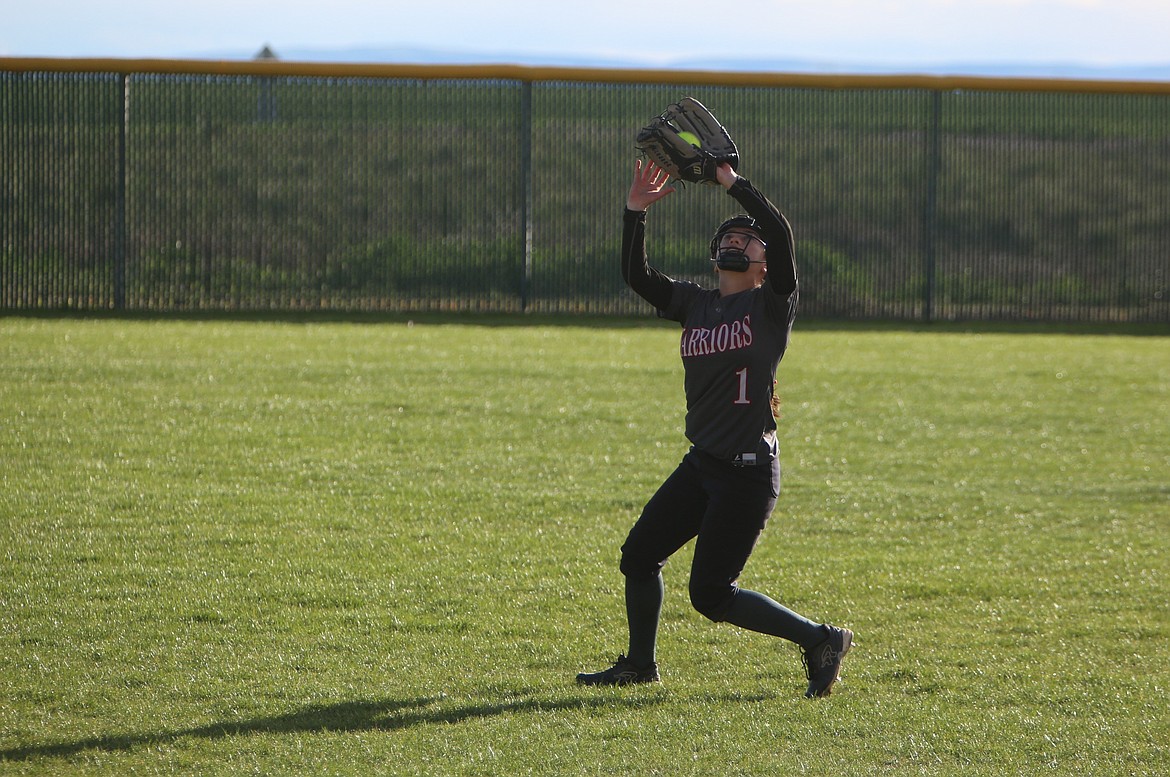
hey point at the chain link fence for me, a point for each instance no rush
(272, 186)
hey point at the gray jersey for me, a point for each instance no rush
(730, 348)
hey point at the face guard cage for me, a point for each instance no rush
(732, 258)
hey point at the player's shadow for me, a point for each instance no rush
(384, 715)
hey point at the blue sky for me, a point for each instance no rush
(901, 32)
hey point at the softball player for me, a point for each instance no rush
(726, 486)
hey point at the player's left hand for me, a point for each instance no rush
(726, 176)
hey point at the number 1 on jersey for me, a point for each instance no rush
(742, 399)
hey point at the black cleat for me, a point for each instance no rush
(623, 672)
(822, 663)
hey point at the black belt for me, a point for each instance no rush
(739, 459)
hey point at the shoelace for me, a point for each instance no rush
(826, 658)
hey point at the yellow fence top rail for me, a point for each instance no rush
(589, 75)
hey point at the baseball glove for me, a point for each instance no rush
(688, 142)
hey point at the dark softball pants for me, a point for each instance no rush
(724, 506)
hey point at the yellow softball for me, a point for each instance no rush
(691, 138)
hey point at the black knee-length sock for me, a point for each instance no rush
(643, 609)
(756, 612)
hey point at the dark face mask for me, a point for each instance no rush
(732, 259)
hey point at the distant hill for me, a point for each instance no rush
(422, 55)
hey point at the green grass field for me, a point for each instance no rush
(331, 547)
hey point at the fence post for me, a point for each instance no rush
(120, 196)
(930, 210)
(526, 198)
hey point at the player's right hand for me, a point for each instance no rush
(651, 183)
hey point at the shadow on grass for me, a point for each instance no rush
(352, 716)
